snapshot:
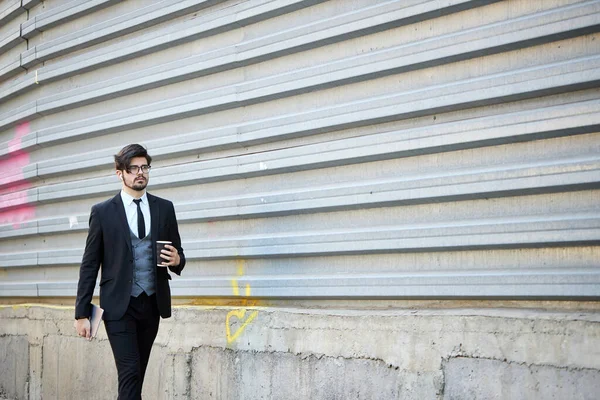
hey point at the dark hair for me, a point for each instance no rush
(123, 157)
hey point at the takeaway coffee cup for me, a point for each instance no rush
(160, 244)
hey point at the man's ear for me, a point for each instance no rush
(120, 175)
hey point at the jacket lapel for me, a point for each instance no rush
(122, 218)
(154, 215)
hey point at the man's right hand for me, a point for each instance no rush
(83, 328)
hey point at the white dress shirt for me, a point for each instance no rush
(131, 212)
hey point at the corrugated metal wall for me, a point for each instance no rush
(345, 148)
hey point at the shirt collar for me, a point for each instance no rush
(128, 199)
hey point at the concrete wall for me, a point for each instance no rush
(406, 148)
(368, 152)
(309, 353)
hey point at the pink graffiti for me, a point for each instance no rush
(14, 197)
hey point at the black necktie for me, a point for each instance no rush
(141, 223)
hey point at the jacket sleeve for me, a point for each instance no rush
(174, 237)
(90, 264)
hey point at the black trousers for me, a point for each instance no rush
(131, 339)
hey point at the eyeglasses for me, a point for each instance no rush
(135, 169)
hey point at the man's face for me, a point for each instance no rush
(134, 178)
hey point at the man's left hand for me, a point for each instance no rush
(170, 256)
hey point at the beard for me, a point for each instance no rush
(137, 185)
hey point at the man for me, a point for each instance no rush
(134, 290)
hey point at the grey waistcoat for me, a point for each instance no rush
(144, 279)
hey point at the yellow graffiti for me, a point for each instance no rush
(234, 286)
(240, 314)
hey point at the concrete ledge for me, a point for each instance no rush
(369, 20)
(300, 353)
(526, 284)
(20, 289)
(565, 76)
(574, 118)
(479, 281)
(28, 56)
(489, 39)
(59, 355)
(10, 40)
(20, 259)
(19, 198)
(516, 85)
(297, 376)
(173, 35)
(463, 184)
(545, 122)
(124, 24)
(520, 231)
(17, 174)
(14, 367)
(29, 4)
(9, 9)
(24, 228)
(476, 378)
(60, 351)
(12, 88)
(511, 232)
(37, 289)
(62, 13)
(11, 68)
(25, 112)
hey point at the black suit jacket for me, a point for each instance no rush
(109, 245)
